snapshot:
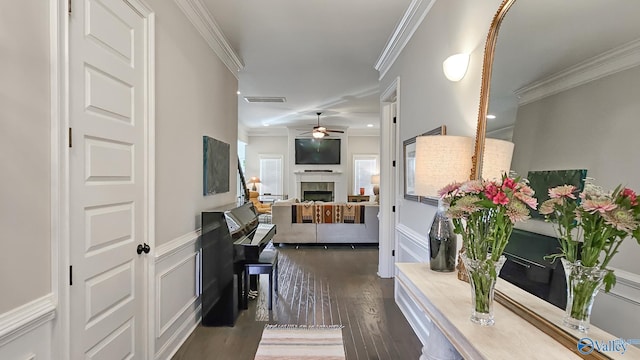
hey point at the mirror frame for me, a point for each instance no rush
(557, 333)
(441, 130)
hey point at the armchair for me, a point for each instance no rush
(260, 207)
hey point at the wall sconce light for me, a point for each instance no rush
(455, 66)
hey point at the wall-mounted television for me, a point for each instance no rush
(317, 151)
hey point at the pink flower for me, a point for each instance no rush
(508, 183)
(549, 206)
(500, 199)
(628, 193)
(490, 191)
(472, 187)
(448, 189)
(529, 200)
(622, 220)
(526, 190)
(562, 192)
(601, 205)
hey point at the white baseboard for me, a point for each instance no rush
(26, 332)
(177, 299)
(178, 338)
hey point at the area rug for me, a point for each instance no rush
(301, 342)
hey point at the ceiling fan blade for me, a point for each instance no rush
(335, 131)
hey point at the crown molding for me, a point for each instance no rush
(605, 64)
(202, 20)
(401, 35)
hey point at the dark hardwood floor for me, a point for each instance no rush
(318, 286)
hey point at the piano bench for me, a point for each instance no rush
(268, 264)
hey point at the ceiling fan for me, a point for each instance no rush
(319, 131)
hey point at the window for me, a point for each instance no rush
(364, 166)
(271, 174)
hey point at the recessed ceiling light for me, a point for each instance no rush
(238, 92)
(491, 117)
(369, 125)
(265, 124)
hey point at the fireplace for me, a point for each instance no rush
(317, 195)
(317, 191)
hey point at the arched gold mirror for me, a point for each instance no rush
(562, 79)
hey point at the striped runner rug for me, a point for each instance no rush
(301, 342)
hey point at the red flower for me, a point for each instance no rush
(501, 199)
(628, 193)
(491, 190)
(508, 183)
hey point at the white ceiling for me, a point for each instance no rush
(318, 54)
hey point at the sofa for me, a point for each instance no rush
(324, 223)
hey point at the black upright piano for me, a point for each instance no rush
(231, 238)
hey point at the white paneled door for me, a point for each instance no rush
(108, 97)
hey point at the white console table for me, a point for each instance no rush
(438, 306)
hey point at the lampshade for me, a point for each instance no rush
(375, 179)
(441, 160)
(254, 180)
(497, 158)
(455, 66)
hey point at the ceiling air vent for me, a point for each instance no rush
(265, 99)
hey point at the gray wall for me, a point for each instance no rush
(25, 147)
(427, 98)
(595, 127)
(195, 96)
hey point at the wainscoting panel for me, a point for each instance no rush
(618, 312)
(176, 293)
(26, 332)
(412, 246)
(418, 320)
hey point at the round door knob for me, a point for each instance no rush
(140, 249)
(146, 248)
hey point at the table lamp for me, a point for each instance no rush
(254, 180)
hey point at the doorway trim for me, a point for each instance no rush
(389, 108)
(60, 181)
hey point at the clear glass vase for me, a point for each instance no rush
(583, 284)
(482, 277)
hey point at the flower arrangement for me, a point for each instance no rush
(601, 219)
(484, 213)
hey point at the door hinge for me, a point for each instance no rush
(393, 163)
(69, 4)
(70, 275)
(393, 253)
(393, 208)
(394, 118)
(70, 137)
